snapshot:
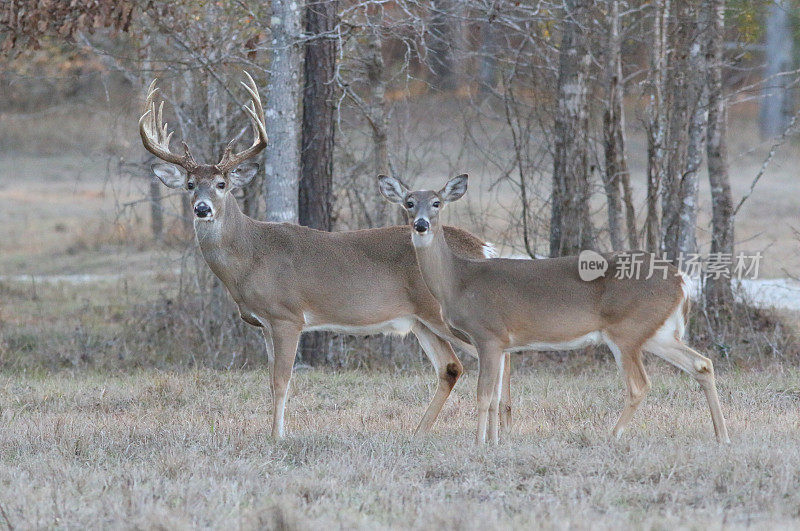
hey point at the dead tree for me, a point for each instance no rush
(570, 226)
(282, 159)
(318, 128)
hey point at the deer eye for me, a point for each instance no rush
(190, 186)
(436, 204)
(221, 185)
(409, 204)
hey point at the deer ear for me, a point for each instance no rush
(454, 189)
(242, 174)
(169, 174)
(392, 188)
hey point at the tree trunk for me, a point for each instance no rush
(719, 293)
(378, 114)
(379, 118)
(187, 215)
(252, 197)
(570, 227)
(682, 23)
(777, 103)
(156, 206)
(688, 190)
(156, 211)
(657, 122)
(442, 38)
(689, 187)
(616, 166)
(184, 115)
(319, 126)
(630, 211)
(487, 73)
(282, 158)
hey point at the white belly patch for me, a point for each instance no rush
(399, 326)
(592, 338)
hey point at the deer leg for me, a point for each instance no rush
(701, 369)
(494, 406)
(448, 369)
(505, 397)
(489, 373)
(284, 349)
(637, 384)
(267, 331)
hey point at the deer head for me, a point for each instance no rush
(208, 183)
(423, 206)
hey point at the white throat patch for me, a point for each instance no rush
(422, 240)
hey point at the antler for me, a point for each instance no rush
(229, 159)
(154, 134)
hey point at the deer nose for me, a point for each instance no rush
(421, 225)
(202, 210)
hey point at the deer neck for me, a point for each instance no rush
(221, 241)
(437, 263)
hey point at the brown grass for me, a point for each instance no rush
(54, 131)
(749, 336)
(155, 449)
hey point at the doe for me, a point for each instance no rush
(505, 305)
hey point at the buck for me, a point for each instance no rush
(287, 279)
(505, 305)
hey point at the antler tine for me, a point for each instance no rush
(161, 124)
(151, 92)
(252, 89)
(155, 134)
(187, 154)
(256, 113)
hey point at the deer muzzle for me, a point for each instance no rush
(203, 210)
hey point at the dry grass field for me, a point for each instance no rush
(165, 450)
